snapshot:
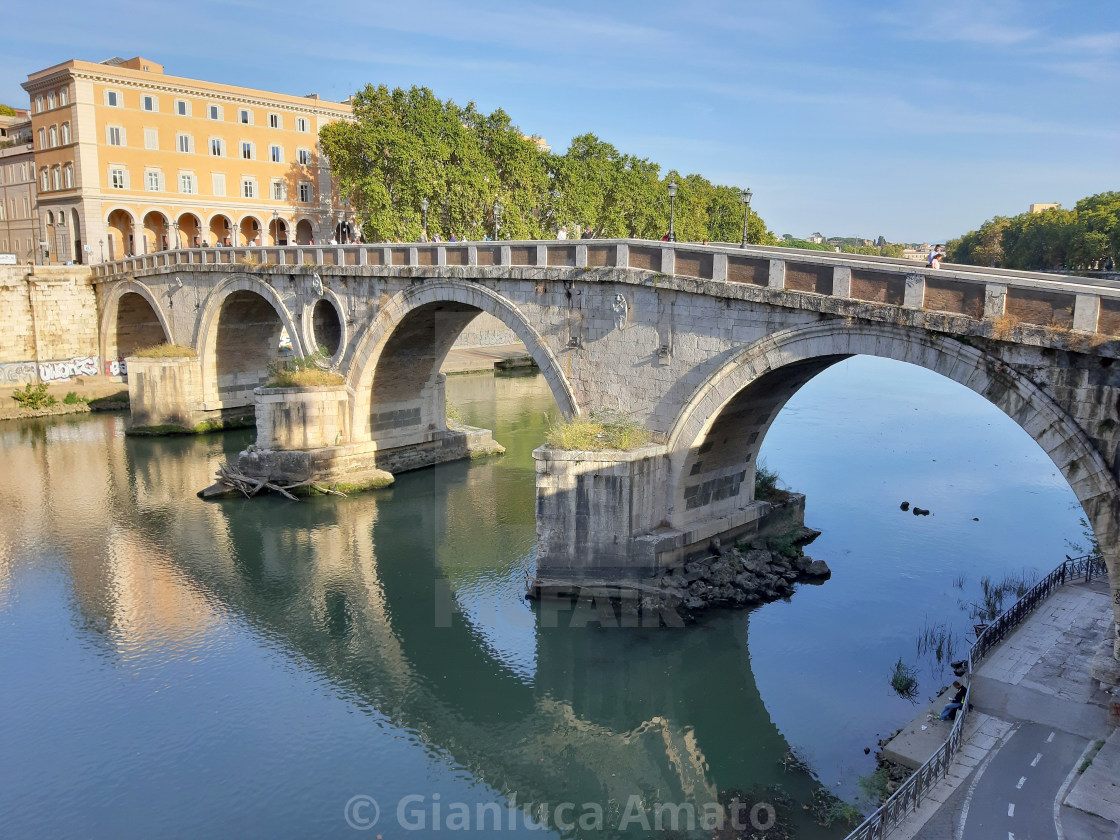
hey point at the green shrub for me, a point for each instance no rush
(34, 396)
(904, 681)
(599, 431)
(72, 398)
(303, 372)
(765, 482)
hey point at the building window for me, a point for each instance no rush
(218, 182)
(44, 179)
(117, 177)
(56, 178)
(42, 138)
(64, 96)
(50, 100)
(68, 176)
(248, 150)
(248, 187)
(184, 143)
(39, 104)
(214, 112)
(279, 190)
(153, 180)
(187, 184)
(151, 139)
(112, 98)
(275, 154)
(304, 157)
(65, 134)
(245, 116)
(114, 135)
(302, 124)
(52, 135)
(182, 107)
(305, 192)
(275, 121)
(149, 103)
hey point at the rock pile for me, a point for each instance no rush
(753, 573)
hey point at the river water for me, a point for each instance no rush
(178, 668)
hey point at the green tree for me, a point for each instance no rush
(7, 111)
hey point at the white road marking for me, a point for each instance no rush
(1037, 759)
(1022, 782)
(1051, 738)
(976, 779)
(1011, 809)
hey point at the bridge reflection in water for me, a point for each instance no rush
(346, 591)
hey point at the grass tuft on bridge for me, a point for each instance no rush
(599, 432)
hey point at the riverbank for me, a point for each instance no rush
(1037, 749)
(94, 394)
(101, 393)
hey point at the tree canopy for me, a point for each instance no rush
(7, 110)
(1081, 238)
(482, 177)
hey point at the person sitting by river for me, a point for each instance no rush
(950, 710)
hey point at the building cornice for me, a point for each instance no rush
(191, 87)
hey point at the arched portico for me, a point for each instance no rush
(190, 231)
(715, 440)
(157, 232)
(221, 230)
(305, 232)
(251, 231)
(415, 330)
(122, 233)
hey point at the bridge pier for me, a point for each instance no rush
(305, 434)
(601, 520)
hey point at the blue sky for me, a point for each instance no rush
(916, 119)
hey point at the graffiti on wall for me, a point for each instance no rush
(67, 369)
(116, 367)
(18, 372)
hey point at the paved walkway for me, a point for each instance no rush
(1037, 718)
(471, 359)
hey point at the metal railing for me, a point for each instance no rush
(908, 798)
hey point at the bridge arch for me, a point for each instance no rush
(717, 435)
(237, 335)
(131, 318)
(447, 306)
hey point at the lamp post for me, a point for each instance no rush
(276, 227)
(746, 196)
(101, 243)
(175, 233)
(672, 202)
(497, 219)
(424, 211)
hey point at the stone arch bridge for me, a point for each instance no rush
(702, 345)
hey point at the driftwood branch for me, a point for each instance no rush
(232, 480)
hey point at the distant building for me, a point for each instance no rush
(1040, 208)
(15, 129)
(537, 141)
(815, 238)
(918, 254)
(129, 160)
(18, 216)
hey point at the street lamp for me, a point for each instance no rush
(101, 242)
(175, 233)
(672, 201)
(424, 210)
(746, 196)
(497, 219)
(275, 227)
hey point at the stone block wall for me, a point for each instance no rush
(49, 315)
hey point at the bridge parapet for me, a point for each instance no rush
(1049, 300)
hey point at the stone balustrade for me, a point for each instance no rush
(1062, 301)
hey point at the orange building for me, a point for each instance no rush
(129, 160)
